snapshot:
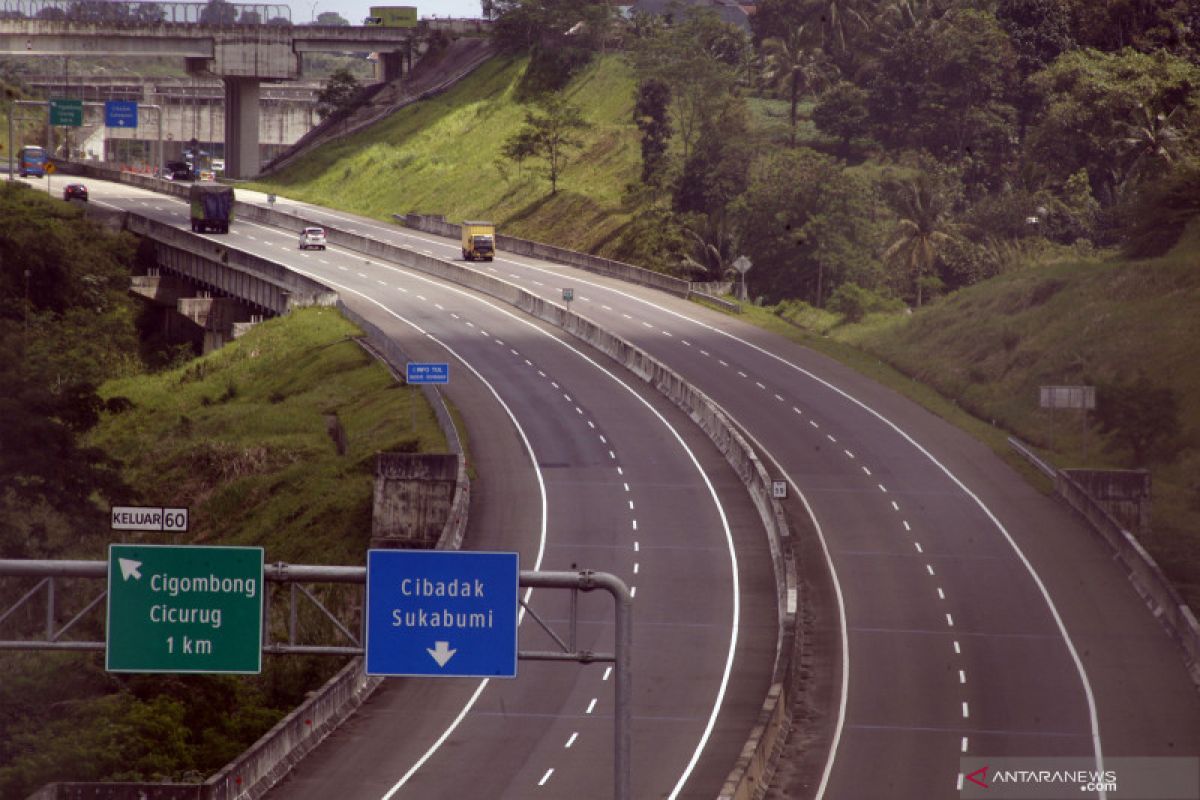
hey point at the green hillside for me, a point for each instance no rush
(1007, 310)
(442, 156)
(1099, 321)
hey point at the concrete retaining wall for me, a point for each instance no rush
(413, 496)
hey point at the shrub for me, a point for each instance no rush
(854, 302)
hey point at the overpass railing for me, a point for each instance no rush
(146, 12)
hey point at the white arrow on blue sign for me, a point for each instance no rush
(121, 113)
(420, 372)
(442, 613)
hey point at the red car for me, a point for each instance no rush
(75, 191)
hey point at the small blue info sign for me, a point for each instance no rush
(442, 613)
(419, 372)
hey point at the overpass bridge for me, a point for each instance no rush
(238, 49)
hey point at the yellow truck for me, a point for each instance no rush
(392, 16)
(478, 241)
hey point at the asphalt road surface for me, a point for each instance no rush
(958, 610)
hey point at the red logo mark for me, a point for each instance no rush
(982, 773)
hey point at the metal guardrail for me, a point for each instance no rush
(136, 11)
(294, 574)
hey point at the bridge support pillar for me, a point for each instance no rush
(393, 64)
(217, 316)
(241, 127)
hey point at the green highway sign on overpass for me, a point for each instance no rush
(178, 608)
(66, 112)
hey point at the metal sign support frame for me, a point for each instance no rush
(295, 574)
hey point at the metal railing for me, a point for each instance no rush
(52, 573)
(140, 12)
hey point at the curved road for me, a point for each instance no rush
(594, 472)
(965, 613)
(976, 616)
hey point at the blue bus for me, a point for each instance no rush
(31, 160)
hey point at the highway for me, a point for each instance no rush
(594, 472)
(956, 610)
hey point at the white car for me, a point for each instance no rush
(312, 237)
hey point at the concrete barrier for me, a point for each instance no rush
(524, 247)
(761, 750)
(269, 759)
(1142, 570)
(1140, 567)
(762, 747)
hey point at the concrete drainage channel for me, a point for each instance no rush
(281, 748)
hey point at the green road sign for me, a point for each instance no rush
(66, 112)
(175, 608)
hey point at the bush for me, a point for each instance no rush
(854, 302)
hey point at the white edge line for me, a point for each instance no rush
(541, 542)
(837, 590)
(733, 571)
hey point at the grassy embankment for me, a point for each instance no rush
(442, 156)
(240, 436)
(978, 357)
(975, 358)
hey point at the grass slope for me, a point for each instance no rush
(442, 156)
(241, 437)
(989, 347)
(976, 358)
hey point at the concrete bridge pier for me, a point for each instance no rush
(217, 316)
(393, 64)
(241, 127)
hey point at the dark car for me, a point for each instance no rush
(75, 191)
(179, 171)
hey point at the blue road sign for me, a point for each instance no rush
(121, 113)
(419, 372)
(442, 613)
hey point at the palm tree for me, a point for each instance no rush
(792, 61)
(1152, 141)
(899, 17)
(837, 18)
(923, 228)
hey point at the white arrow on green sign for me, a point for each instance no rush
(66, 112)
(178, 608)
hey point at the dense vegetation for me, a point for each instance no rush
(871, 158)
(242, 437)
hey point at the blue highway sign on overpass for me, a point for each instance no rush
(442, 613)
(121, 113)
(419, 372)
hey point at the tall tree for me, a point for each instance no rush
(840, 20)
(701, 59)
(842, 112)
(338, 93)
(1086, 97)
(332, 18)
(1150, 144)
(218, 12)
(946, 88)
(923, 227)
(651, 114)
(806, 225)
(794, 63)
(550, 132)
